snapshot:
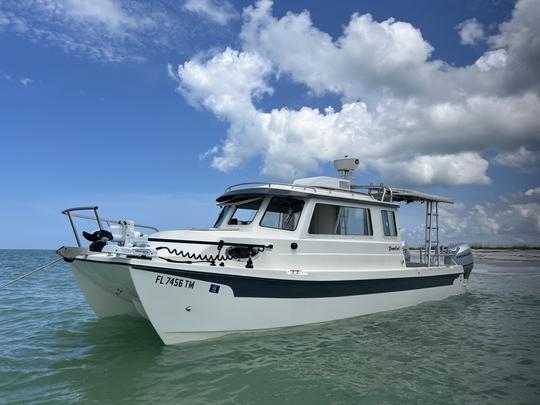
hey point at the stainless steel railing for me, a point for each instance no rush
(71, 213)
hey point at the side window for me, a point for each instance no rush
(389, 223)
(282, 213)
(245, 212)
(354, 221)
(337, 220)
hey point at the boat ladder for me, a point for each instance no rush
(432, 234)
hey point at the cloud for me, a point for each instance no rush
(370, 57)
(492, 60)
(220, 12)
(512, 219)
(519, 159)
(105, 12)
(212, 151)
(23, 81)
(474, 223)
(470, 32)
(104, 30)
(226, 84)
(520, 37)
(533, 192)
(6, 76)
(172, 74)
(457, 169)
(410, 118)
(26, 81)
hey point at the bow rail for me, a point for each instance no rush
(72, 213)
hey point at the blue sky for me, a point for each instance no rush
(150, 109)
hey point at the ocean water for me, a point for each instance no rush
(479, 348)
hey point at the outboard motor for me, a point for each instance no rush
(462, 255)
(406, 252)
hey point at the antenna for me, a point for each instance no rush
(346, 166)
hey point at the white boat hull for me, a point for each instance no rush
(185, 304)
(108, 288)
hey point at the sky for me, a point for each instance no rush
(150, 109)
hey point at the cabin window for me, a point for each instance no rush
(282, 213)
(337, 220)
(389, 223)
(245, 211)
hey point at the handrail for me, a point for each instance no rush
(70, 214)
(203, 242)
(381, 188)
(434, 254)
(89, 208)
(269, 184)
(401, 194)
(114, 221)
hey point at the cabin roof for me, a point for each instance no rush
(375, 194)
(247, 190)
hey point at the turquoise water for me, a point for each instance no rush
(482, 347)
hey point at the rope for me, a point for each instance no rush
(30, 272)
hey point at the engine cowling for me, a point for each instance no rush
(462, 255)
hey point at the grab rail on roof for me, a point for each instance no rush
(380, 188)
(400, 194)
(269, 185)
(314, 189)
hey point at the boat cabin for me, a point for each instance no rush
(327, 219)
(322, 218)
(308, 209)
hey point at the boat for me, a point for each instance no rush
(279, 255)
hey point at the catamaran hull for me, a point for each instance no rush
(108, 288)
(185, 305)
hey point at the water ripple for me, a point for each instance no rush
(481, 347)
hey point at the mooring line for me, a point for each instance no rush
(30, 272)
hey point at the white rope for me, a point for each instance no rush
(30, 272)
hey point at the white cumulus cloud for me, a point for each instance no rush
(470, 31)
(533, 192)
(492, 60)
(409, 117)
(454, 169)
(519, 159)
(512, 219)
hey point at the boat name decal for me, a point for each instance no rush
(174, 281)
(390, 248)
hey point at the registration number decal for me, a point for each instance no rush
(174, 281)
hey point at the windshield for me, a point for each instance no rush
(222, 214)
(245, 211)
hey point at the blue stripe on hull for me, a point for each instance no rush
(256, 287)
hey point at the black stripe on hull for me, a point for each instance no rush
(257, 287)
